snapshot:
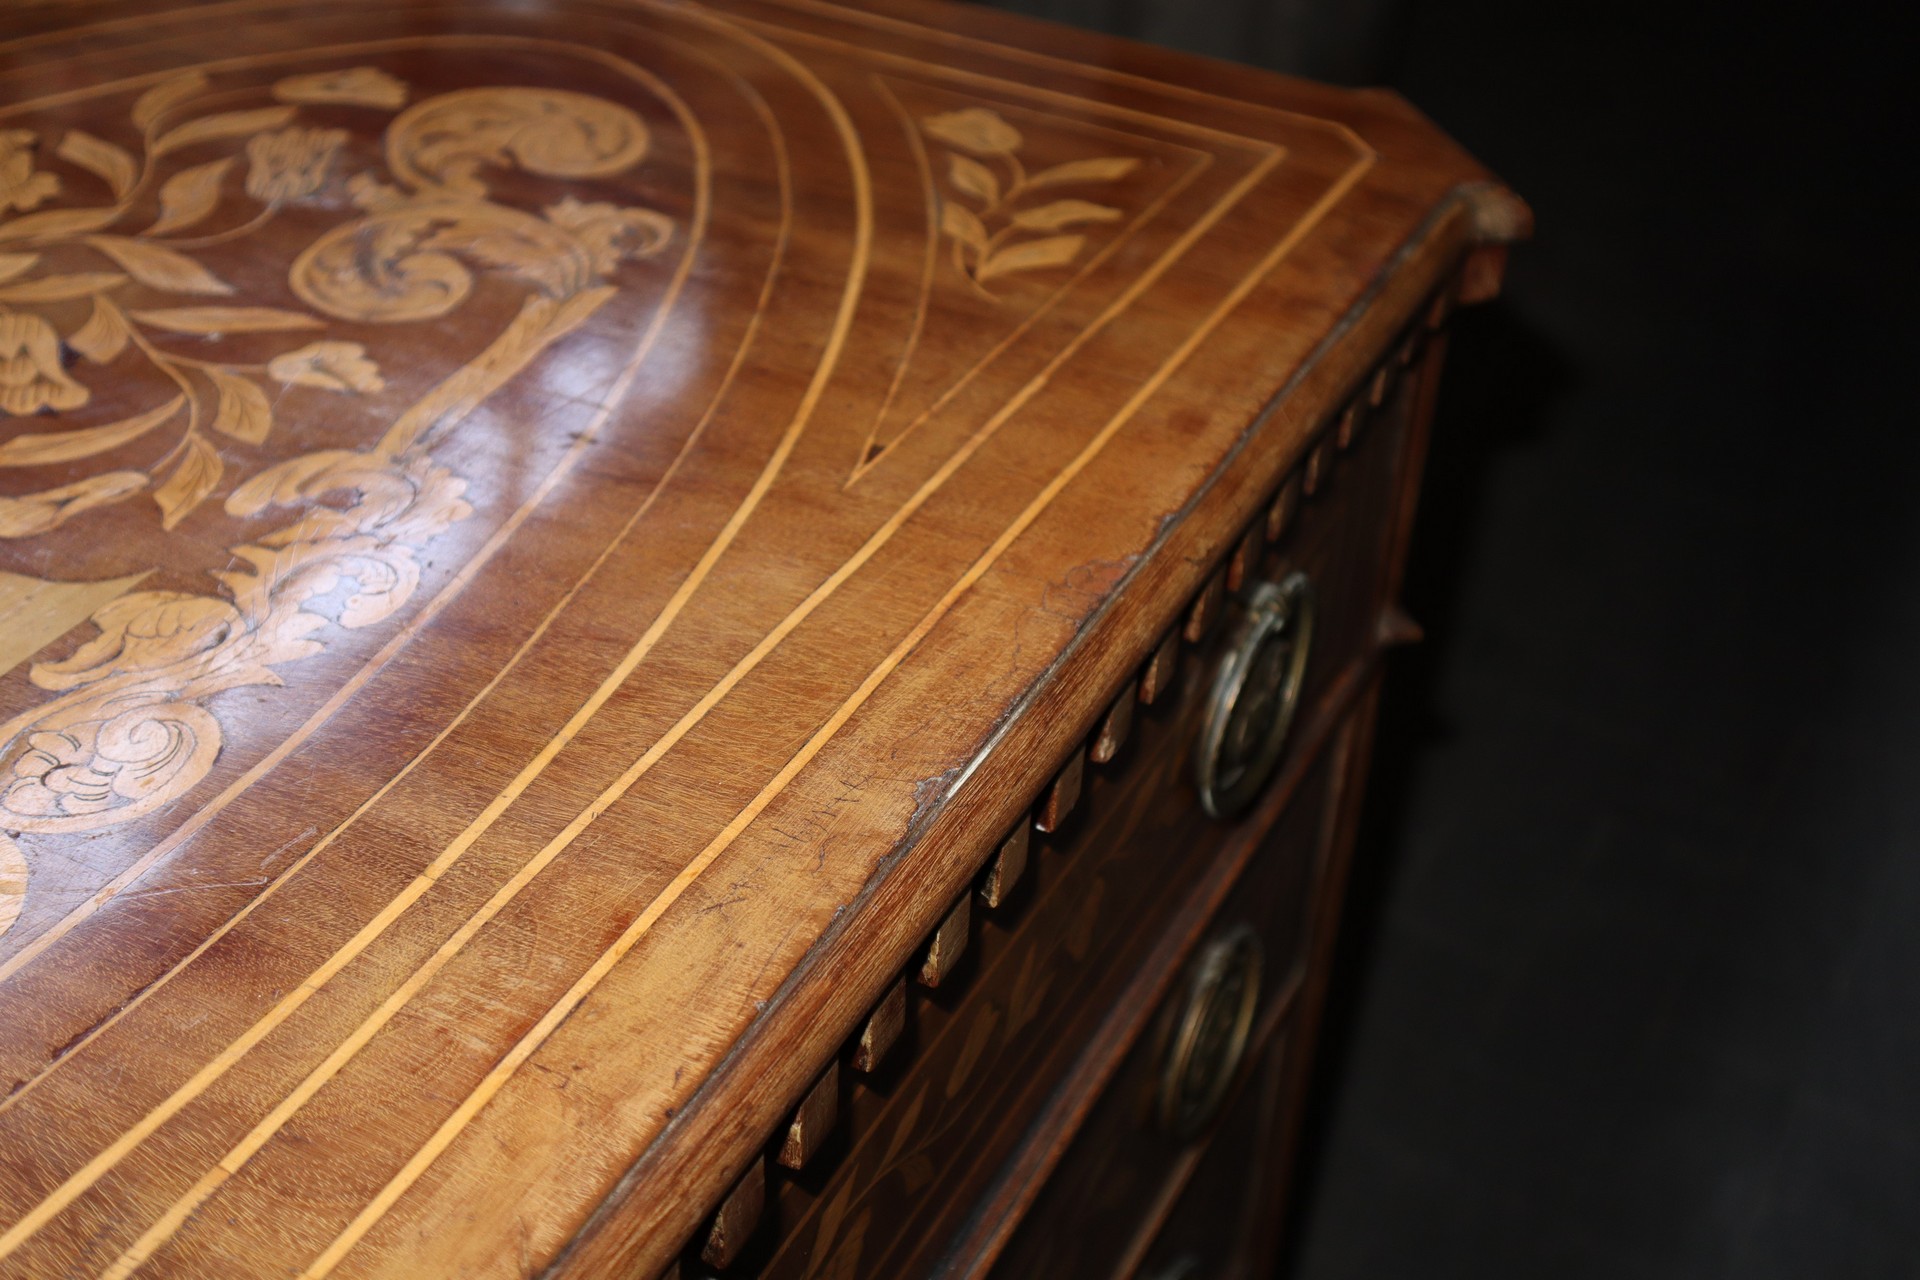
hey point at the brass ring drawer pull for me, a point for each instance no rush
(1255, 693)
(1210, 1039)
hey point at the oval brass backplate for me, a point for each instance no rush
(1256, 690)
(1210, 1038)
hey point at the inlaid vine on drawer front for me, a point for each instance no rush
(832, 1234)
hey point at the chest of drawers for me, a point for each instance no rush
(652, 638)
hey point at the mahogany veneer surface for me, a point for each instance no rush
(543, 544)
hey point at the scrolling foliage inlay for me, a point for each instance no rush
(129, 731)
(996, 226)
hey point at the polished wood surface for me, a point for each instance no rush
(542, 546)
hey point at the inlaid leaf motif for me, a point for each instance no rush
(227, 124)
(164, 96)
(1063, 213)
(1080, 933)
(100, 157)
(244, 412)
(217, 320)
(975, 129)
(1029, 993)
(104, 335)
(979, 1037)
(290, 164)
(62, 288)
(358, 86)
(189, 196)
(56, 222)
(963, 225)
(1032, 255)
(22, 185)
(904, 1132)
(845, 1263)
(331, 366)
(33, 374)
(971, 178)
(195, 476)
(1098, 169)
(159, 267)
(50, 508)
(128, 721)
(987, 244)
(833, 1215)
(40, 448)
(916, 1172)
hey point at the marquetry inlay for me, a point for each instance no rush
(513, 519)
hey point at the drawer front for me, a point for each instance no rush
(979, 1056)
(1218, 1203)
(1133, 1142)
(920, 1135)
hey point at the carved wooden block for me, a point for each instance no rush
(1319, 464)
(1411, 346)
(1481, 274)
(1398, 628)
(736, 1219)
(1349, 425)
(1061, 795)
(1246, 557)
(882, 1030)
(1381, 384)
(1158, 675)
(813, 1120)
(1008, 865)
(948, 944)
(1114, 726)
(1281, 510)
(1205, 609)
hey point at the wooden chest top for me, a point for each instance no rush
(526, 532)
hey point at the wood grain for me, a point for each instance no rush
(813, 1120)
(1008, 865)
(532, 561)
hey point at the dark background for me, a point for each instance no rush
(1631, 983)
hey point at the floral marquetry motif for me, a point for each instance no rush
(1002, 219)
(130, 732)
(547, 550)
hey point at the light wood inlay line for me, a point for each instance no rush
(481, 558)
(783, 167)
(1014, 53)
(925, 168)
(1202, 162)
(78, 1183)
(237, 1158)
(243, 1151)
(90, 1173)
(96, 1168)
(1273, 260)
(497, 1078)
